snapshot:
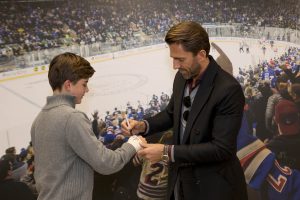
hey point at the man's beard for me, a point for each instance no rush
(192, 73)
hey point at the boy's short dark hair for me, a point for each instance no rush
(68, 66)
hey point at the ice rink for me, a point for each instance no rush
(128, 78)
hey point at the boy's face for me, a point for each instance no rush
(79, 89)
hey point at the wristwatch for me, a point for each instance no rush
(165, 155)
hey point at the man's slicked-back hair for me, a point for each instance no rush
(191, 35)
(68, 66)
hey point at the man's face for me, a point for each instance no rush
(186, 63)
(79, 89)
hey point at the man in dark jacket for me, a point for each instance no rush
(205, 112)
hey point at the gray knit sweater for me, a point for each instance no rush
(67, 152)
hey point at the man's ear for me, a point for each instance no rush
(201, 55)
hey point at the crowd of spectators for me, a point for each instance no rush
(108, 129)
(272, 92)
(29, 26)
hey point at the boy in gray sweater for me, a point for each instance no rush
(66, 149)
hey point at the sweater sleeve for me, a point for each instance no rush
(80, 137)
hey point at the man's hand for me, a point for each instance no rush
(132, 127)
(151, 152)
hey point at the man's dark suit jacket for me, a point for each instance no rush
(206, 160)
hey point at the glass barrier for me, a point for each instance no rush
(43, 57)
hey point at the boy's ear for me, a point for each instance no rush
(67, 85)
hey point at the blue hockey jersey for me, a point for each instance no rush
(263, 172)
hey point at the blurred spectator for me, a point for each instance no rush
(11, 189)
(295, 93)
(262, 171)
(279, 93)
(259, 107)
(19, 167)
(286, 144)
(95, 124)
(11, 151)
